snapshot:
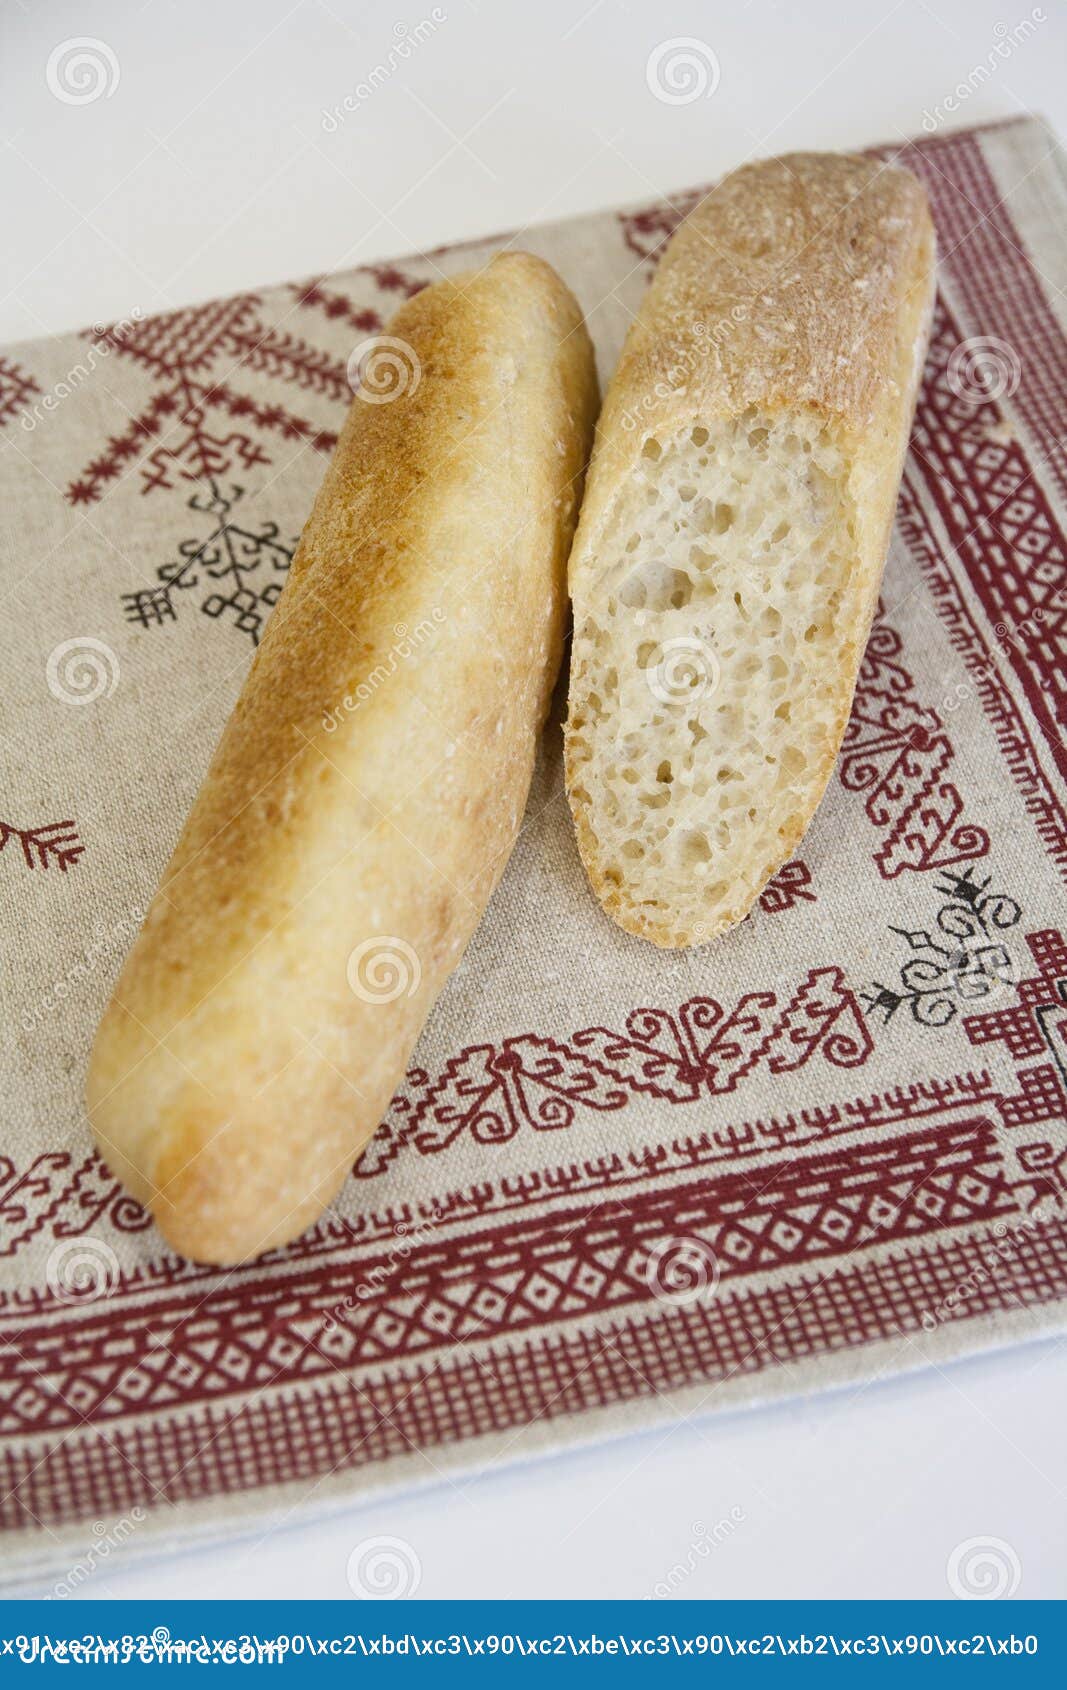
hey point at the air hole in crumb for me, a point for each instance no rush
(693, 849)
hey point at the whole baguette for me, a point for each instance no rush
(731, 543)
(369, 786)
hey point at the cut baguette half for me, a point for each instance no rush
(730, 547)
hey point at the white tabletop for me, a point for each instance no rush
(224, 157)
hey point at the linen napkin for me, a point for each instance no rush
(617, 1185)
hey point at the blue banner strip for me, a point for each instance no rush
(428, 1643)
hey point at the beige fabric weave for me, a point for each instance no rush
(619, 1184)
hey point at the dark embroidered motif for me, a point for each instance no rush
(201, 424)
(1019, 742)
(337, 307)
(16, 387)
(960, 961)
(63, 1198)
(1002, 527)
(702, 1050)
(229, 556)
(388, 278)
(1034, 1025)
(54, 843)
(529, 1271)
(786, 888)
(897, 753)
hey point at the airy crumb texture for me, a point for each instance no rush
(704, 694)
(733, 533)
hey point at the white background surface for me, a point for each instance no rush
(209, 169)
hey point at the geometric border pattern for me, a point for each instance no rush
(345, 1426)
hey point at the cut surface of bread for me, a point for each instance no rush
(714, 651)
(728, 558)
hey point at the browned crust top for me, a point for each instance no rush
(782, 288)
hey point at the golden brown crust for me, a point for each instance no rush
(369, 785)
(799, 284)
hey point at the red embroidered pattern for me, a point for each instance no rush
(896, 753)
(703, 1050)
(16, 387)
(555, 1266)
(309, 1434)
(66, 1199)
(335, 305)
(790, 886)
(1002, 527)
(1000, 290)
(1034, 1025)
(647, 232)
(193, 357)
(1018, 747)
(53, 843)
